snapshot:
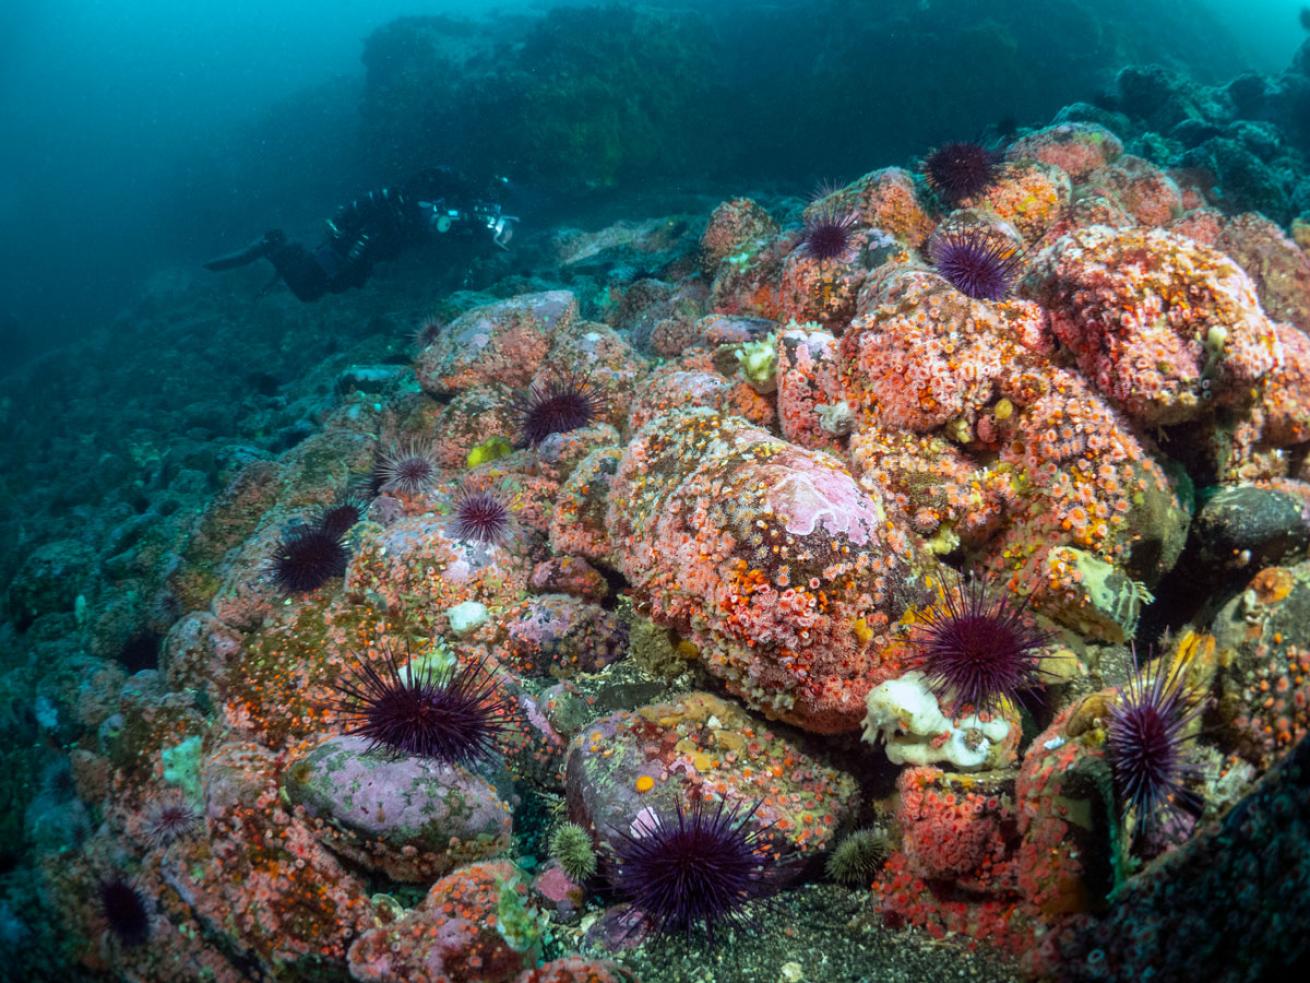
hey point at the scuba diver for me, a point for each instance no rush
(379, 226)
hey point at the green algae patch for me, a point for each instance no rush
(182, 767)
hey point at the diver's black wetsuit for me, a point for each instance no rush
(379, 226)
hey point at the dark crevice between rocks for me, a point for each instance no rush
(141, 651)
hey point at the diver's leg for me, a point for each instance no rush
(301, 271)
(263, 246)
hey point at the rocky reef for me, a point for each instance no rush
(924, 562)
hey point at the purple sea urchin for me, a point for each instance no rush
(829, 234)
(307, 557)
(692, 870)
(1145, 743)
(453, 718)
(409, 468)
(169, 820)
(428, 331)
(979, 264)
(481, 517)
(565, 403)
(976, 647)
(125, 911)
(959, 170)
(340, 517)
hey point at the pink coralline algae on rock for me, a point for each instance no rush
(417, 560)
(1078, 149)
(733, 227)
(769, 556)
(410, 818)
(820, 288)
(452, 935)
(577, 524)
(623, 766)
(676, 388)
(1163, 327)
(1148, 194)
(1277, 266)
(965, 420)
(1029, 195)
(560, 636)
(811, 408)
(885, 199)
(501, 343)
(920, 353)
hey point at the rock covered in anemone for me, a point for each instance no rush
(783, 570)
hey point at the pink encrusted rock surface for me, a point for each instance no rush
(886, 199)
(499, 343)
(731, 228)
(1285, 399)
(409, 818)
(449, 937)
(1160, 325)
(1078, 149)
(1029, 195)
(415, 560)
(1141, 188)
(1277, 266)
(675, 389)
(920, 353)
(626, 766)
(824, 291)
(771, 557)
(474, 416)
(564, 574)
(577, 524)
(809, 389)
(559, 635)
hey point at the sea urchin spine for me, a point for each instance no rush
(980, 264)
(565, 403)
(452, 717)
(171, 819)
(976, 647)
(1145, 744)
(960, 170)
(481, 517)
(692, 870)
(408, 469)
(572, 849)
(125, 911)
(307, 557)
(829, 234)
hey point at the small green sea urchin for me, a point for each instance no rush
(858, 857)
(572, 849)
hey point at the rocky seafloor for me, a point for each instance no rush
(745, 463)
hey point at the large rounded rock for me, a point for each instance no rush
(1250, 526)
(664, 754)
(407, 817)
(499, 343)
(1161, 325)
(769, 557)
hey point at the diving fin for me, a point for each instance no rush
(258, 249)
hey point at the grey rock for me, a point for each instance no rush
(1244, 527)
(410, 818)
